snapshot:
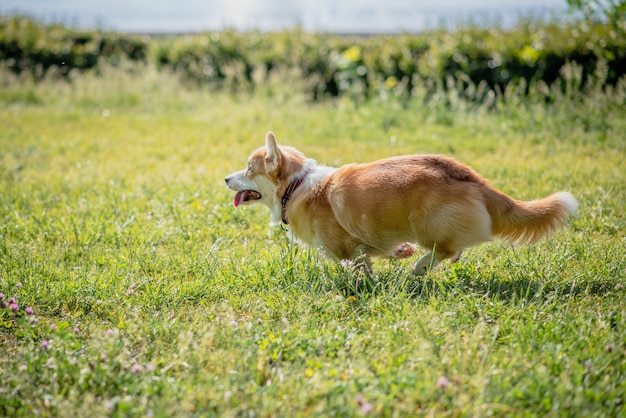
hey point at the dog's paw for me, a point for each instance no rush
(420, 270)
(404, 250)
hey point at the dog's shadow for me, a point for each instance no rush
(518, 279)
(512, 287)
(467, 280)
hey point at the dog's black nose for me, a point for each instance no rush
(226, 179)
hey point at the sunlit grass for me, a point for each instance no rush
(154, 296)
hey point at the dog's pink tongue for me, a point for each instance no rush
(240, 197)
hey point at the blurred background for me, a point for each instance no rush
(481, 48)
(345, 16)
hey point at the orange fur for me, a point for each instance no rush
(378, 208)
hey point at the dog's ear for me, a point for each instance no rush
(272, 153)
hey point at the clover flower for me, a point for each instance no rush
(131, 290)
(442, 382)
(366, 407)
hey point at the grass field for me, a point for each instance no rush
(152, 296)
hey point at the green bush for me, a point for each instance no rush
(334, 65)
(29, 46)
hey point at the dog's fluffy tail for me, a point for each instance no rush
(526, 222)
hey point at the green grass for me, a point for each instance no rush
(156, 297)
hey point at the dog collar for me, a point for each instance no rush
(293, 185)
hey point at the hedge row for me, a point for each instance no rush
(335, 65)
(332, 65)
(28, 46)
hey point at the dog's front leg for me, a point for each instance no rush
(363, 261)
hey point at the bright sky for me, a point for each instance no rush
(315, 15)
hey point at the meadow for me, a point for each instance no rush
(132, 287)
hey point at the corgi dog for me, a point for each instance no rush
(383, 208)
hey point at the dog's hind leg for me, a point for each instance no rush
(404, 250)
(424, 264)
(434, 257)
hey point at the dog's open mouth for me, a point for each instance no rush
(245, 196)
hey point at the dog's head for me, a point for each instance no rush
(270, 169)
